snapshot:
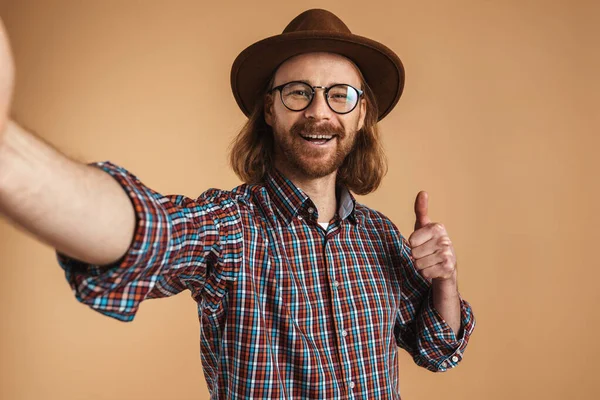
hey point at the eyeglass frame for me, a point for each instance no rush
(314, 92)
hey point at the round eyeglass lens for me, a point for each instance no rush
(296, 95)
(342, 98)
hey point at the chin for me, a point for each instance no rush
(316, 168)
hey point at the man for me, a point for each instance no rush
(302, 292)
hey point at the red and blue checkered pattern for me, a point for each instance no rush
(287, 309)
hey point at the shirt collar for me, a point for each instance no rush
(290, 201)
(347, 203)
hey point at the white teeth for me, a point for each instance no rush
(318, 137)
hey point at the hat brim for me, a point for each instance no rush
(381, 67)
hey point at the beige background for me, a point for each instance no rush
(499, 122)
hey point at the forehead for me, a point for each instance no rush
(318, 69)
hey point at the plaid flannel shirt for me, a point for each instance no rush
(287, 309)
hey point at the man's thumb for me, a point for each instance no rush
(421, 209)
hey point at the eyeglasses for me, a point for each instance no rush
(297, 96)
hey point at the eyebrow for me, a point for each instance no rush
(307, 81)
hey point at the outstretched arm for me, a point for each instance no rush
(77, 209)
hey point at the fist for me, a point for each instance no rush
(7, 75)
(432, 249)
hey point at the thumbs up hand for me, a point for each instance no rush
(431, 247)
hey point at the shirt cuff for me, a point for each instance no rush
(91, 283)
(441, 349)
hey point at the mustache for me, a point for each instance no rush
(312, 128)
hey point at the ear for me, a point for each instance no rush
(268, 109)
(362, 113)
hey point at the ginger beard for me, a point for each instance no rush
(293, 150)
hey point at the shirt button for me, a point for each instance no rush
(454, 359)
(351, 385)
(444, 365)
(344, 333)
(336, 284)
(311, 210)
(300, 217)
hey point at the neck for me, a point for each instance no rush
(320, 190)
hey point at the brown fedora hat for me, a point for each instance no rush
(312, 31)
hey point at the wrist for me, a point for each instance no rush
(447, 287)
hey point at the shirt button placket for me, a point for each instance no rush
(351, 385)
(336, 298)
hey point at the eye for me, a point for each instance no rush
(338, 97)
(297, 90)
(339, 92)
(303, 93)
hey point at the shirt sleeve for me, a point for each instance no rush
(419, 328)
(178, 244)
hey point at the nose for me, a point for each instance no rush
(318, 108)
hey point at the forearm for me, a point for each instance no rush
(446, 301)
(77, 209)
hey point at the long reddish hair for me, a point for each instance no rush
(251, 152)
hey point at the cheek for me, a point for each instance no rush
(282, 120)
(280, 116)
(280, 129)
(351, 124)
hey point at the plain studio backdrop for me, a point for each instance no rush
(499, 122)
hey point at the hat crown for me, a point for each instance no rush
(317, 20)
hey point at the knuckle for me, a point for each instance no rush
(444, 241)
(426, 274)
(438, 229)
(448, 265)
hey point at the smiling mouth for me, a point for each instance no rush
(317, 139)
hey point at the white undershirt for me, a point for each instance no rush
(325, 225)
